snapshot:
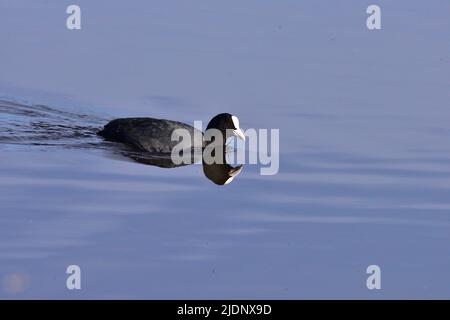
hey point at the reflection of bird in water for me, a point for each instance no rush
(218, 173)
(221, 173)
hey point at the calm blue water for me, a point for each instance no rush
(364, 149)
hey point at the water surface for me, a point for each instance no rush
(364, 150)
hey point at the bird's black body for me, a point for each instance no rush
(155, 135)
(148, 134)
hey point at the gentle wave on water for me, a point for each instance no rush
(46, 126)
(42, 126)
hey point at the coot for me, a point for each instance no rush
(154, 135)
